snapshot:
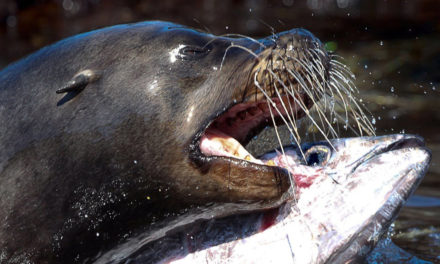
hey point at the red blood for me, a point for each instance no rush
(304, 181)
(268, 219)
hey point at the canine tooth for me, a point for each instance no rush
(248, 158)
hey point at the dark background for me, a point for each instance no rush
(28, 25)
(393, 47)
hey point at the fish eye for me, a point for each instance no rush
(317, 155)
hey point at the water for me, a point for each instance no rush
(408, 66)
(393, 47)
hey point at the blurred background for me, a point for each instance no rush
(392, 46)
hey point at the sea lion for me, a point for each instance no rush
(124, 128)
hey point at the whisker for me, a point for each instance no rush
(239, 36)
(240, 47)
(303, 78)
(305, 109)
(281, 144)
(269, 99)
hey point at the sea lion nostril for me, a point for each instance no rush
(317, 155)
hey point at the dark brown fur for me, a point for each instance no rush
(82, 170)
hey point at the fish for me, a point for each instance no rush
(348, 193)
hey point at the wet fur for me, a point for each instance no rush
(116, 151)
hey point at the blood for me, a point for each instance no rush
(303, 181)
(268, 219)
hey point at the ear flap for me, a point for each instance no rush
(79, 82)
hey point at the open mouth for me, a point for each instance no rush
(227, 135)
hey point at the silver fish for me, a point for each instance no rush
(346, 197)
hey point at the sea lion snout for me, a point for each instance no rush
(289, 73)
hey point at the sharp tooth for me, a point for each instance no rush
(270, 163)
(248, 158)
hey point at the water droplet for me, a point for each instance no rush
(97, 234)
(381, 43)
(365, 66)
(227, 27)
(67, 5)
(11, 21)
(392, 89)
(373, 121)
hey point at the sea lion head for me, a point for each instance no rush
(231, 88)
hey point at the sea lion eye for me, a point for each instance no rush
(193, 52)
(317, 155)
